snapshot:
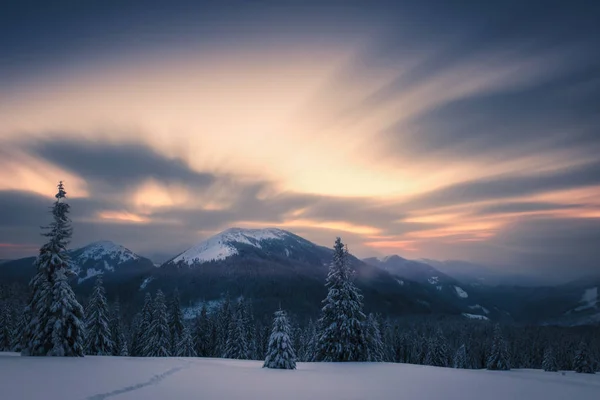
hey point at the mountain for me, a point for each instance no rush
(275, 267)
(446, 288)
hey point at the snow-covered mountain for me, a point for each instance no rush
(238, 241)
(103, 257)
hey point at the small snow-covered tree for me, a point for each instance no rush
(98, 335)
(549, 364)
(341, 336)
(124, 352)
(141, 337)
(158, 342)
(280, 353)
(373, 339)
(236, 347)
(6, 327)
(437, 350)
(460, 358)
(185, 347)
(583, 363)
(175, 321)
(54, 316)
(499, 358)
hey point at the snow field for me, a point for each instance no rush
(126, 378)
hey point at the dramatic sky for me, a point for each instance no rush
(441, 129)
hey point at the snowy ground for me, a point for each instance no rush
(97, 378)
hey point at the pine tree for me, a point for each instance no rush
(18, 333)
(549, 364)
(6, 327)
(185, 347)
(124, 352)
(175, 321)
(202, 333)
(223, 322)
(141, 336)
(98, 335)
(310, 342)
(373, 338)
(582, 363)
(460, 358)
(236, 347)
(437, 350)
(341, 336)
(248, 328)
(499, 359)
(280, 354)
(54, 317)
(116, 329)
(158, 338)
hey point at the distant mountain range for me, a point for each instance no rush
(274, 267)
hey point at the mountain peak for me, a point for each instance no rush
(104, 249)
(222, 245)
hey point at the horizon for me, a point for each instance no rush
(468, 133)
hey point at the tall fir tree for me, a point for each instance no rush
(341, 337)
(280, 353)
(549, 364)
(158, 339)
(175, 320)
(460, 358)
(236, 346)
(224, 318)
(116, 329)
(202, 333)
(98, 335)
(6, 327)
(185, 347)
(373, 338)
(499, 358)
(55, 324)
(310, 341)
(583, 363)
(143, 329)
(18, 334)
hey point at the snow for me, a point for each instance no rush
(433, 280)
(439, 287)
(400, 282)
(478, 307)
(221, 246)
(90, 273)
(460, 292)
(127, 378)
(146, 282)
(103, 249)
(192, 311)
(589, 299)
(475, 316)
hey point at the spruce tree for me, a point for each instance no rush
(582, 363)
(98, 335)
(549, 364)
(124, 352)
(6, 327)
(202, 333)
(158, 338)
(341, 336)
(236, 346)
(142, 334)
(460, 358)
(280, 353)
(223, 322)
(310, 342)
(185, 347)
(437, 350)
(116, 329)
(175, 321)
(18, 333)
(499, 358)
(54, 316)
(373, 338)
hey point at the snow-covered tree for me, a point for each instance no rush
(460, 358)
(185, 347)
(244, 311)
(341, 336)
(549, 364)
(54, 316)
(224, 318)
(175, 321)
(158, 338)
(373, 338)
(437, 350)
(116, 329)
(310, 342)
(142, 335)
(124, 352)
(499, 358)
(201, 335)
(18, 333)
(98, 335)
(236, 347)
(6, 327)
(280, 354)
(583, 363)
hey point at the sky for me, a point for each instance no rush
(430, 129)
